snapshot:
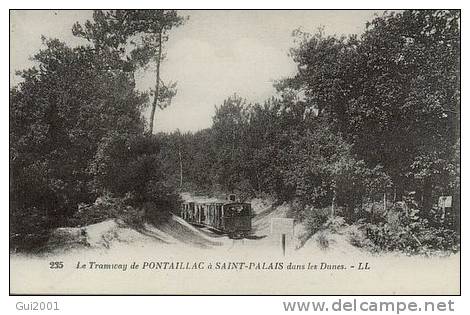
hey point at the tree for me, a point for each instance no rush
(392, 92)
(229, 124)
(127, 165)
(135, 38)
(59, 113)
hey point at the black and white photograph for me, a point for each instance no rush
(235, 152)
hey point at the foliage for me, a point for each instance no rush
(106, 207)
(335, 224)
(364, 116)
(58, 115)
(315, 219)
(409, 232)
(393, 93)
(64, 114)
(130, 36)
(29, 228)
(323, 241)
(132, 39)
(358, 237)
(272, 148)
(128, 166)
(125, 163)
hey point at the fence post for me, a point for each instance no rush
(283, 244)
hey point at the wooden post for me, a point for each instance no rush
(283, 244)
(333, 205)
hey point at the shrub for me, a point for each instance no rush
(440, 238)
(323, 241)
(107, 207)
(161, 200)
(334, 224)
(357, 237)
(128, 166)
(316, 218)
(405, 230)
(29, 229)
(125, 163)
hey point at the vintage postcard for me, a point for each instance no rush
(234, 152)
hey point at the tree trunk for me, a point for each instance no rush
(426, 203)
(157, 80)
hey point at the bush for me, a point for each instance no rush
(161, 199)
(357, 237)
(334, 224)
(105, 208)
(405, 230)
(29, 229)
(125, 163)
(128, 166)
(440, 239)
(323, 241)
(316, 218)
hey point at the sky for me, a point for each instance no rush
(215, 54)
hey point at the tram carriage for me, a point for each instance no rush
(231, 217)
